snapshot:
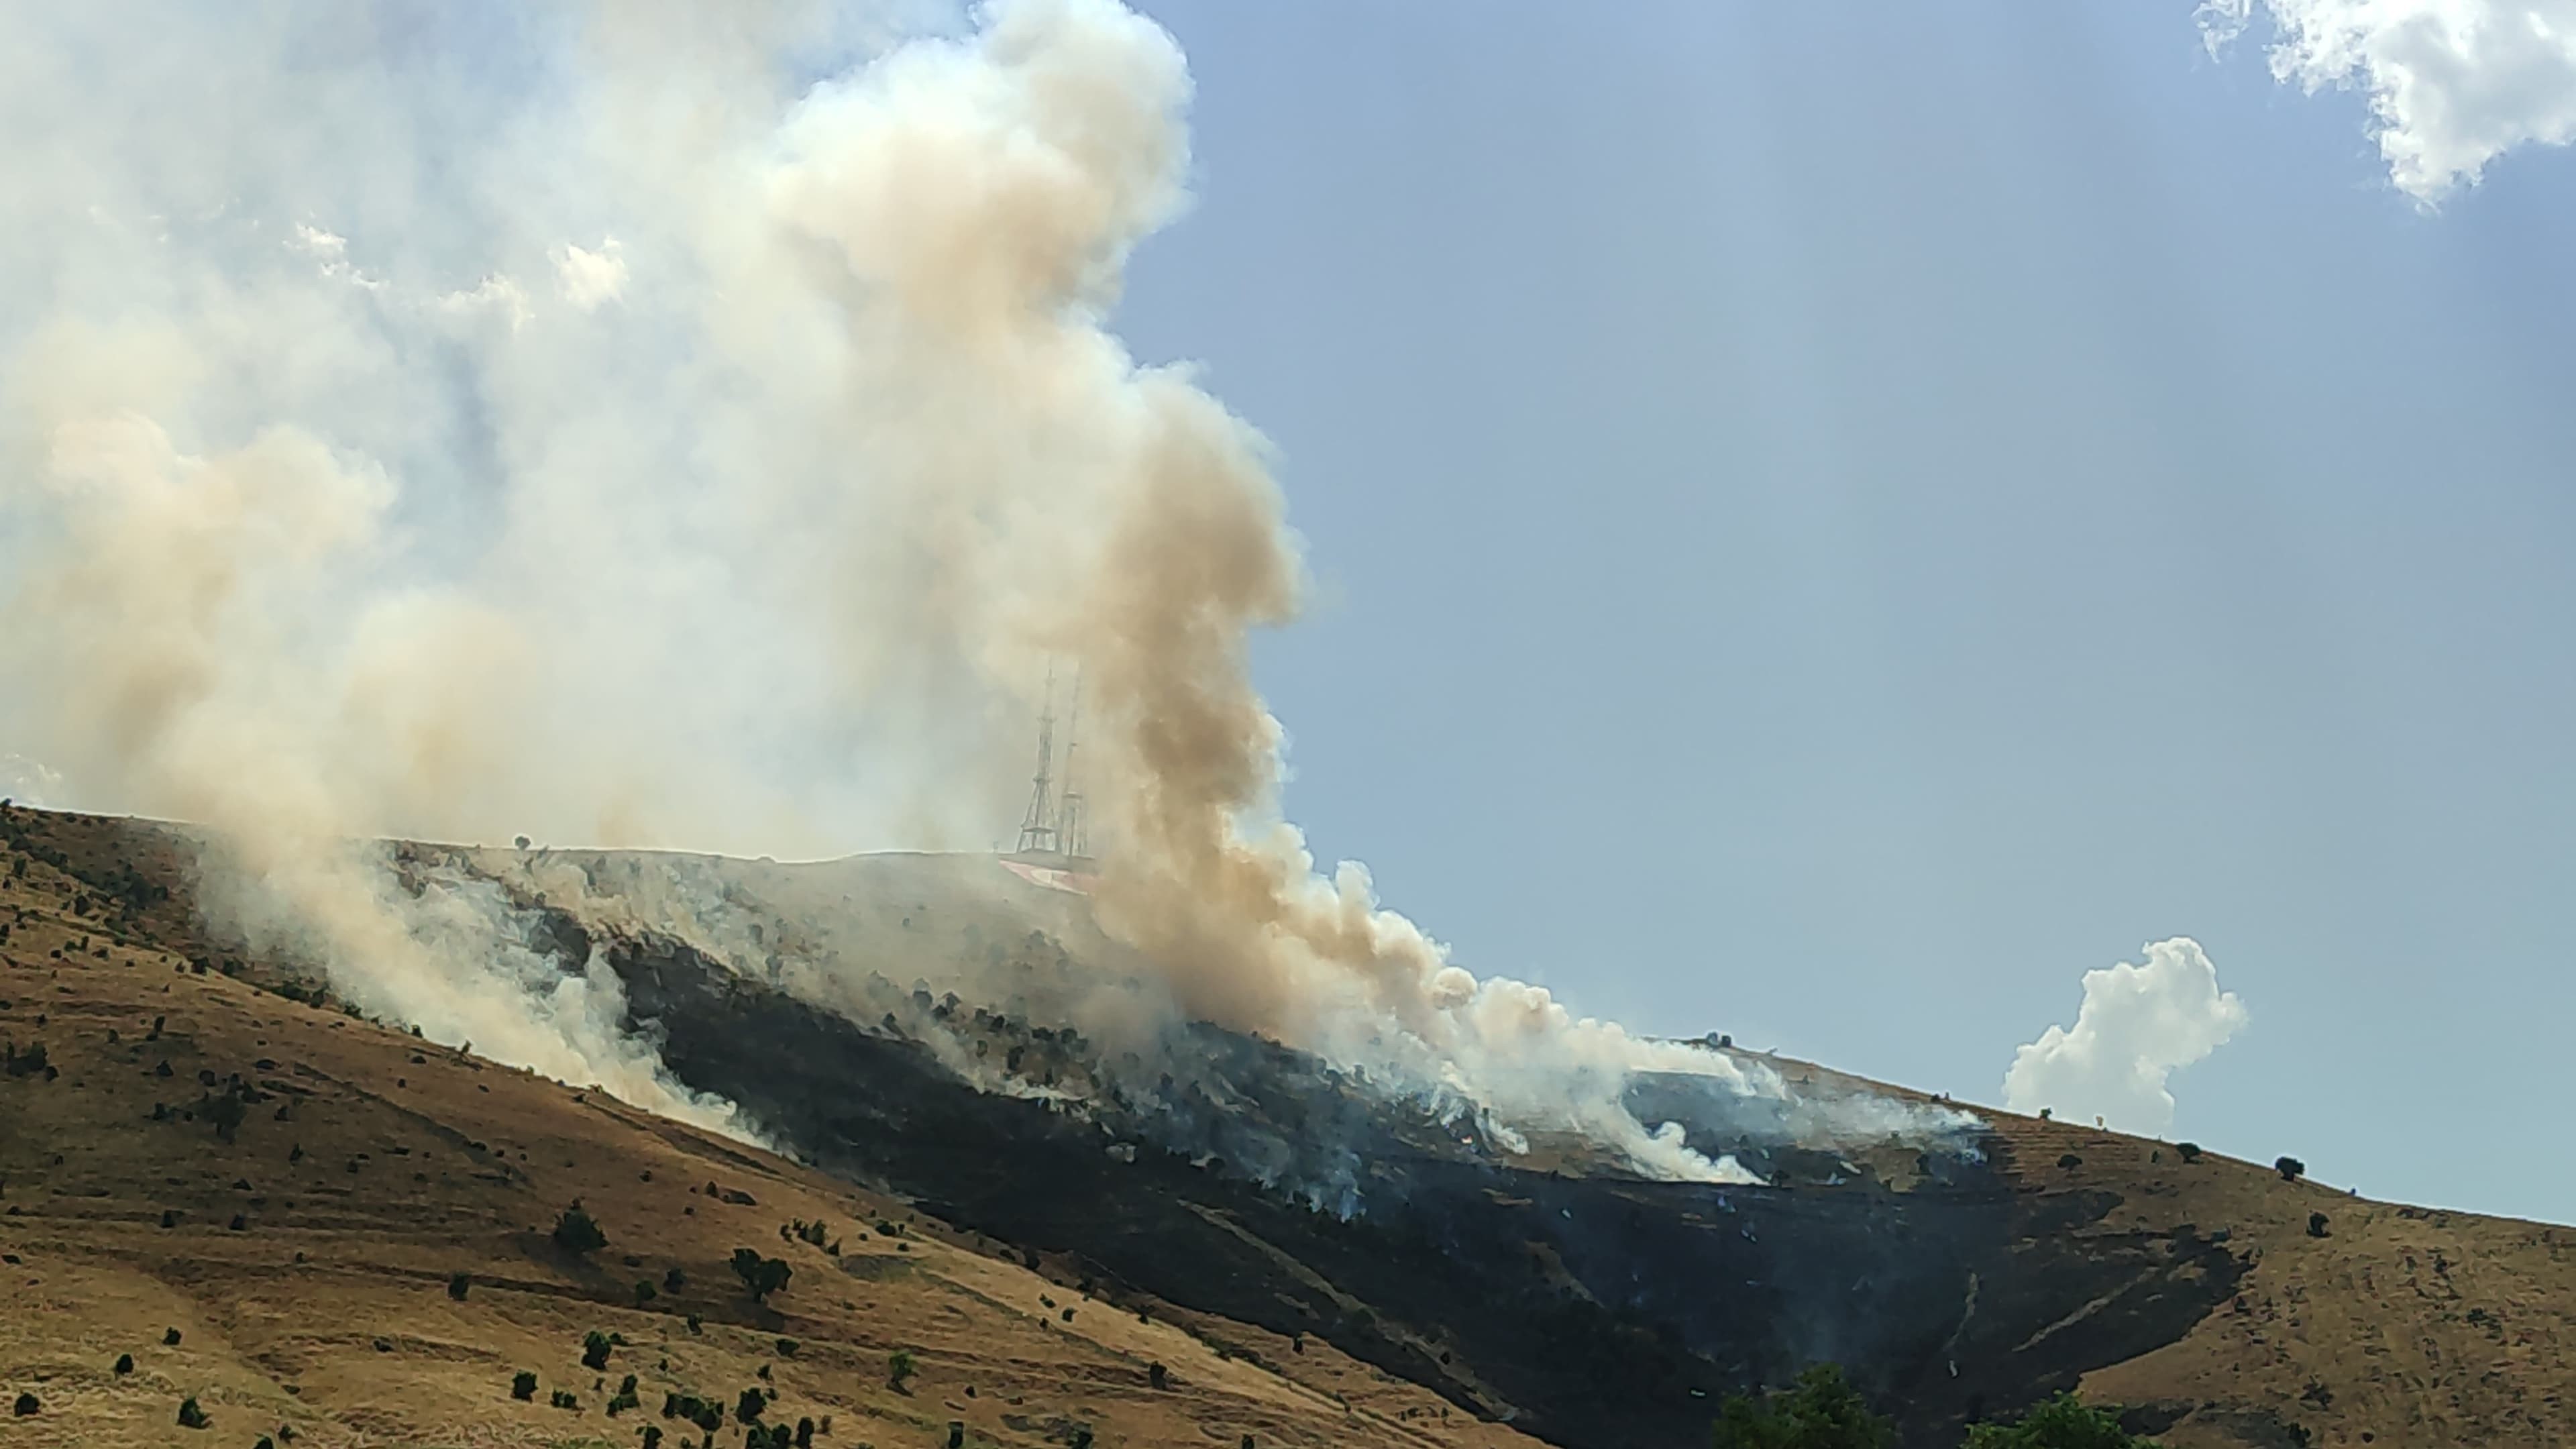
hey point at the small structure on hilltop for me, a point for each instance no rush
(1055, 833)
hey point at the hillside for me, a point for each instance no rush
(1583, 1305)
(306, 1264)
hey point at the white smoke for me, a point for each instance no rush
(2137, 1025)
(652, 424)
(2452, 84)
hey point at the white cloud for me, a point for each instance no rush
(2136, 1026)
(27, 781)
(590, 278)
(2453, 84)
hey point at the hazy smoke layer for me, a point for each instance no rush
(661, 424)
(2136, 1026)
(2453, 84)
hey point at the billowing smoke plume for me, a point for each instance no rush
(2453, 84)
(659, 424)
(2138, 1024)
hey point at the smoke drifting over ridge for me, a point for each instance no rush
(653, 426)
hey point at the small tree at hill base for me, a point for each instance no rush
(2060, 1423)
(1820, 1411)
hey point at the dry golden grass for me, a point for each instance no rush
(376, 1166)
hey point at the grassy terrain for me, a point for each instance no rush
(305, 1264)
(306, 1259)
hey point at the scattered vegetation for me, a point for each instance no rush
(2317, 1225)
(2190, 1151)
(763, 1276)
(226, 1110)
(577, 1232)
(457, 1283)
(565, 1399)
(192, 1417)
(594, 1350)
(26, 1407)
(749, 1407)
(2060, 1423)
(1820, 1411)
(523, 1386)
(124, 1364)
(899, 1368)
(2290, 1168)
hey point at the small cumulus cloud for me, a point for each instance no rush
(2137, 1025)
(591, 278)
(27, 781)
(2452, 84)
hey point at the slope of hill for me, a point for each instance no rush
(305, 1260)
(2225, 1304)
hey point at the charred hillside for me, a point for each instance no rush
(1590, 1311)
(1296, 1213)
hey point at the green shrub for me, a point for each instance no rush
(124, 1364)
(749, 1406)
(899, 1367)
(2190, 1151)
(1820, 1411)
(577, 1232)
(192, 1417)
(2290, 1168)
(2060, 1423)
(594, 1350)
(523, 1385)
(763, 1276)
(564, 1399)
(457, 1283)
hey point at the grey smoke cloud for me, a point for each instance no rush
(656, 425)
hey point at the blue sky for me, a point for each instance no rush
(1830, 523)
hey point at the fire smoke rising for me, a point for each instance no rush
(655, 425)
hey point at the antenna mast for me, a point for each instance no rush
(1073, 835)
(1038, 827)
